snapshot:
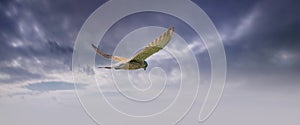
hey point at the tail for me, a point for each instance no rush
(106, 67)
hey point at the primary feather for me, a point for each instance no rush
(115, 58)
(156, 45)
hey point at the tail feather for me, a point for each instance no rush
(106, 67)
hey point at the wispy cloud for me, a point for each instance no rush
(52, 86)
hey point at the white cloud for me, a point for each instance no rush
(245, 25)
(284, 57)
(4, 76)
(197, 47)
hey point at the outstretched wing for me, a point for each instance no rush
(156, 45)
(115, 58)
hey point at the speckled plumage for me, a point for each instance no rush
(138, 60)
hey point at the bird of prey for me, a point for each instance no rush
(138, 60)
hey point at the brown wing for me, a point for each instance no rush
(115, 58)
(156, 45)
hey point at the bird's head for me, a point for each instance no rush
(145, 65)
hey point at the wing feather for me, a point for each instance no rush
(156, 45)
(115, 58)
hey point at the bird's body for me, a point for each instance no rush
(132, 65)
(138, 60)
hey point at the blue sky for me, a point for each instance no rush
(260, 37)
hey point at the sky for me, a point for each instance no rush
(261, 39)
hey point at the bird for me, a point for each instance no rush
(138, 60)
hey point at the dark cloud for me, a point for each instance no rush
(226, 13)
(43, 32)
(270, 41)
(39, 34)
(138, 20)
(19, 74)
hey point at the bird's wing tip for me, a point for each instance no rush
(172, 28)
(93, 45)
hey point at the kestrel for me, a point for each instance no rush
(138, 60)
